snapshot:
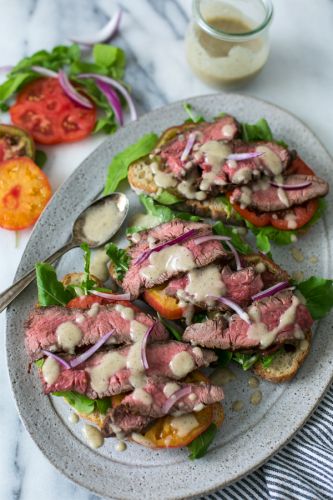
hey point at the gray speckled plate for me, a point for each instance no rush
(248, 437)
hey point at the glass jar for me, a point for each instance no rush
(227, 40)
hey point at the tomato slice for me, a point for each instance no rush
(85, 301)
(167, 306)
(15, 142)
(24, 192)
(303, 213)
(43, 109)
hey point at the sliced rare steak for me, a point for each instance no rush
(149, 401)
(223, 129)
(218, 281)
(273, 320)
(108, 373)
(265, 197)
(173, 260)
(129, 423)
(60, 329)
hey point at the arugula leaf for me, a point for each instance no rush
(39, 362)
(193, 116)
(170, 326)
(111, 57)
(84, 405)
(56, 59)
(238, 242)
(224, 357)
(318, 293)
(40, 158)
(245, 360)
(199, 317)
(14, 83)
(228, 208)
(259, 131)
(267, 360)
(166, 198)
(87, 283)
(118, 168)
(50, 290)
(200, 445)
(120, 259)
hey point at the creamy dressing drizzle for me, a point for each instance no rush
(161, 178)
(260, 267)
(215, 153)
(141, 395)
(50, 370)
(282, 195)
(202, 283)
(98, 265)
(93, 436)
(246, 196)
(68, 336)
(125, 312)
(243, 175)
(101, 221)
(222, 376)
(121, 446)
(272, 160)
(93, 311)
(291, 220)
(101, 373)
(184, 424)
(73, 418)
(256, 397)
(181, 364)
(169, 260)
(170, 388)
(259, 331)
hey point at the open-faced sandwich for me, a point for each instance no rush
(243, 304)
(119, 367)
(233, 172)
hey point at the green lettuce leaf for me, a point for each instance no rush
(87, 283)
(171, 327)
(120, 259)
(119, 166)
(166, 198)
(259, 131)
(193, 116)
(224, 357)
(232, 232)
(51, 291)
(84, 405)
(318, 293)
(199, 446)
(245, 360)
(110, 57)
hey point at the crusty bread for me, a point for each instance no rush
(75, 279)
(286, 364)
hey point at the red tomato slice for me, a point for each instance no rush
(85, 301)
(43, 109)
(303, 213)
(24, 192)
(167, 306)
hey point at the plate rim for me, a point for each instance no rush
(20, 271)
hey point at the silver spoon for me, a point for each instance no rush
(82, 232)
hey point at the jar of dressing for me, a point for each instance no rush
(227, 40)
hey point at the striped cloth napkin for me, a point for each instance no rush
(302, 470)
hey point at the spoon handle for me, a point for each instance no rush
(13, 291)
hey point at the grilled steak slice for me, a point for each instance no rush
(171, 261)
(117, 377)
(149, 402)
(199, 285)
(274, 320)
(223, 129)
(266, 198)
(129, 423)
(62, 329)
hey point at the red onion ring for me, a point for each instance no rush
(270, 291)
(144, 346)
(244, 156)
(235, 307)
(118, 86)
(111, 296)
(71, 92)
(103, 35)
(176, 396)
(235, 254)
(166, 244)
(291, 187)
(44, 71)
(202, 239)
(89, 352)
(113, 100)
(63, 362)
(188, 147)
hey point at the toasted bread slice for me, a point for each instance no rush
(285, 364)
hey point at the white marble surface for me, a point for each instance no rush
(298, 77)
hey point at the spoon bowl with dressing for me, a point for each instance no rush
(96, 225)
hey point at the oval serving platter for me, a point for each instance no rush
(247, 438)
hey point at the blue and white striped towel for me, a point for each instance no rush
(302, 470)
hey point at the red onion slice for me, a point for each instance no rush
(188, 147)
(270, 291)
(176, 396)
(244, 156)
(291, 187)
(189, 234)
(71, 92)
(113, 100)
(235, 254)
(118, 86)
(89, 352)
(44, 71)
(235, 307)
(203, 239)
(144, 346)
(63, 362)
(103, 35)
(111, 296)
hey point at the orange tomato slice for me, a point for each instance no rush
(24, 193)
(166, 306)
